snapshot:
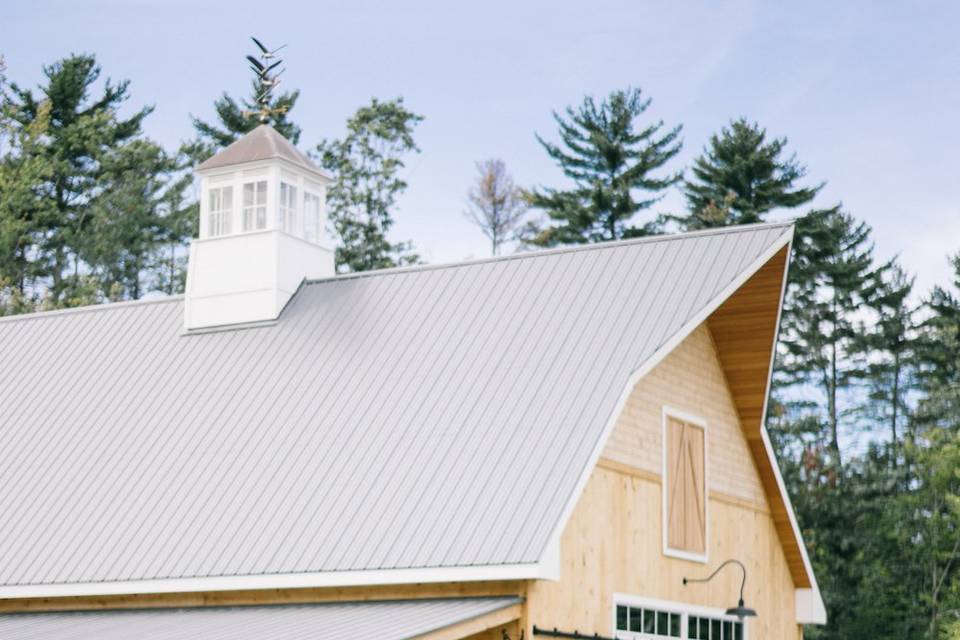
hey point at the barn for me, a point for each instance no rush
(563, 444)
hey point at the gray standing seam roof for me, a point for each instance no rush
(383, 620)
(412, 418)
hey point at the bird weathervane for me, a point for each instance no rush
(266, 81)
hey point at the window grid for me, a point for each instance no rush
(288, 209)
(645, 623)
(311, 217)
(221, 210)
(255, 205)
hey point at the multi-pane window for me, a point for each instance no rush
(255, 205)
(220, 211)
(685, 494)
(649, 623)
(287, 215)
(311, 216)
(704, 628)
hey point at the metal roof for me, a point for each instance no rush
(384, 620)
(424, 417)
(263, 143)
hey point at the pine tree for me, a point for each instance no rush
(939, 343)
(236, 118)
(23, 165)
(832, 277)
(888, 341)
(133, 219)
(496, 204)
(366, 164)
(613, 162)
(740, 177)
(180, 219)
(81, 132)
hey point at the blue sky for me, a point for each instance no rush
(867, 92)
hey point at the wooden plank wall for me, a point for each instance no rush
(613, 544)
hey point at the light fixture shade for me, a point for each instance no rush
(741, 611)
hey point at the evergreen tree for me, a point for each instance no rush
(80, 133)
(22, 167)
(366, 164)
(236, 118)
(832, 277)
(613, 162)
(888, 338)
(939, 341)
(740, 177)
(181, 217)
(132, 218)
(925, 522)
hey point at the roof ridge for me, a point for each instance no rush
(539, 253)
(107, 306)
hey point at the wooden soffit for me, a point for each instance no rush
(744, 329)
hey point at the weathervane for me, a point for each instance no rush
(267, 81)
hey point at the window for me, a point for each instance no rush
(668, 620)
(684, 487)
(255, 205)
(220, 212)
(311, 217)
(287, 217)
(648, 623)
(705, 628)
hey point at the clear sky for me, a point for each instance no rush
(867, 92)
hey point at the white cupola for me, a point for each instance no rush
(262, 221)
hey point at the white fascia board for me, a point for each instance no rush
(283, 581)
(647, 366)
(814, 611)
(809, 606)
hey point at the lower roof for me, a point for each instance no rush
(383, 620)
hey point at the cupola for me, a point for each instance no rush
(262, 221)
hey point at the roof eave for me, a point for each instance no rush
(377, 577)
(262, 162)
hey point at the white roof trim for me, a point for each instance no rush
(809, 606)
(813, 610)
(542, 570)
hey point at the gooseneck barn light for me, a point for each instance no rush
(740, 611)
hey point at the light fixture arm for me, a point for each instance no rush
(743, 581)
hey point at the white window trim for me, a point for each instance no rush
(284, 211)
(253, 208)
(685, 611)
(221, 218)
(309, 194)
(670, 412)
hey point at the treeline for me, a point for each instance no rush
(92, 210)
(866, 408)
(865, 413)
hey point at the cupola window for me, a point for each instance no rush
(221, 210)
(255, 205)
(311, 217)
(287, 218)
